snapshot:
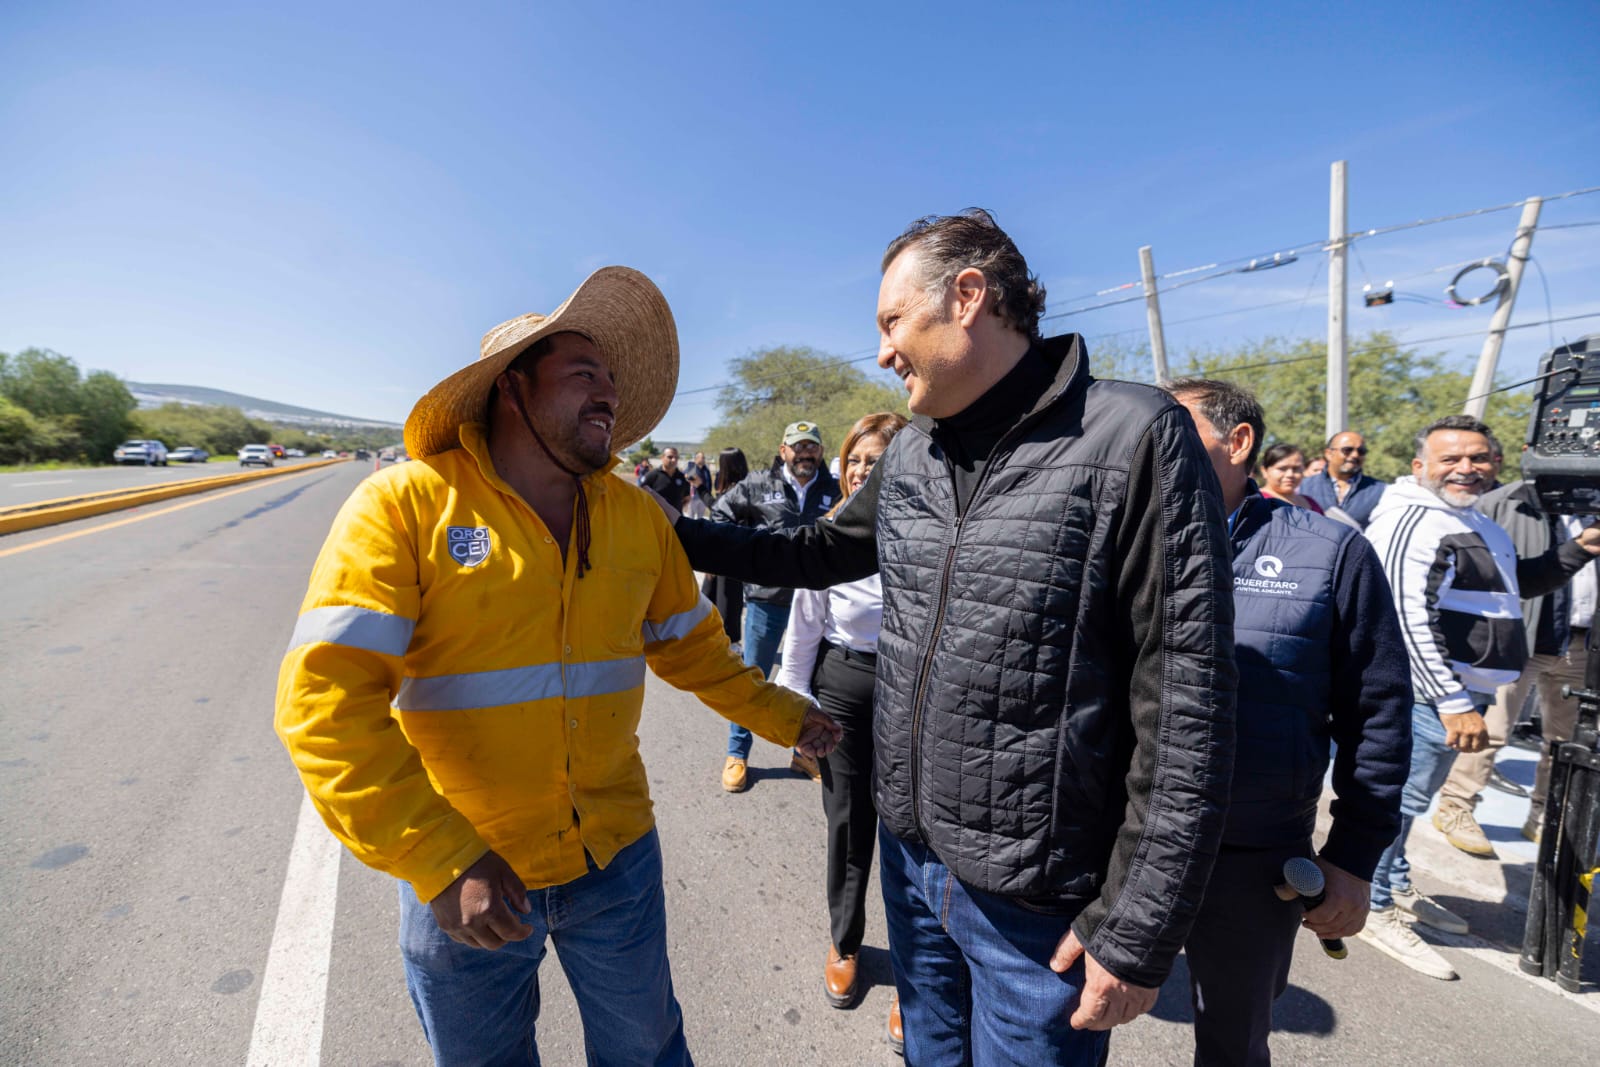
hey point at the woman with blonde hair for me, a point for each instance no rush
(830, 654)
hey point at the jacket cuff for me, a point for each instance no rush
(1457, 703)
(432, 870)
(1355, 849)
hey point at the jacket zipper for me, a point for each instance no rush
(938, 617)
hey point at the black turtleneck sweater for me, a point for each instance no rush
(970, 436)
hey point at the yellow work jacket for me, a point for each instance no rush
(452, 686)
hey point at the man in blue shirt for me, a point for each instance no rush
(1343, 485)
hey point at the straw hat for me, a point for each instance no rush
(617, 308)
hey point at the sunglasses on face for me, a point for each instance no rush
(1348, 449)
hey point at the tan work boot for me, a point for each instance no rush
(1462, 830)
(897, 1033)
(806, 765)
(735, 775)
(839, 979)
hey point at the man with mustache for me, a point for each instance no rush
(1455, 577)
(794, 493)
(463, 689)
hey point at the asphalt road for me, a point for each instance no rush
(33, 486)
(148, 815)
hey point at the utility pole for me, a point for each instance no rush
(1338, 286)
(1483, 377)
(1152, 310)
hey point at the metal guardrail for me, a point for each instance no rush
(86, 505)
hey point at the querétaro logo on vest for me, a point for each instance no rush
(468, 545)
(1270, 569)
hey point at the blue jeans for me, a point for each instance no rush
(1431, 760)
(973, 971)
(763, 636)
(610, 931)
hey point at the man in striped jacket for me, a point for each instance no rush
(1456, 580)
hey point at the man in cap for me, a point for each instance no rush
(1055, 680)
(794, 493)
(465, 681)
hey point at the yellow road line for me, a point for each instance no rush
(207, 498)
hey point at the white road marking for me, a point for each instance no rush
(294, 989)
(30, 485)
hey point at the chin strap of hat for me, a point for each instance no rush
(581, 527)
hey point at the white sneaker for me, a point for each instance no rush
(1386, 932)
(1429, 912)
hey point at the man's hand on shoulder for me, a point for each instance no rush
(1343, 911)
(473, 909)
(1106, 1000)
(672, 513)
(818, 733)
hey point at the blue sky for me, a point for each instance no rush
(327, 205)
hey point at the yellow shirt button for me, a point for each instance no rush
(574, 724)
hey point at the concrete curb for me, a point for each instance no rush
(50, 512)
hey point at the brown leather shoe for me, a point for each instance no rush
(800, 763)
(839, 979)
(897, 1034)
(735, 775)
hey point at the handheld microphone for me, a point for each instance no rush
(1303, 881)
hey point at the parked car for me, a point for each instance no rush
(188, 454)
(328, 453)
(149, 453)
(278, 452)
(255, 454)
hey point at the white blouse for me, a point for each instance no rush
(849, 615)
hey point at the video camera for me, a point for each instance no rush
(1563, 464)
(1563, 456)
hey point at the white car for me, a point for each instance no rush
(149, 453)
(328, 453)
(251, 455)
(296, 453)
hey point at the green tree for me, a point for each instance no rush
(772, 387)
(68, 416)
(1393, 393)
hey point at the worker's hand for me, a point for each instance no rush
(473, 909)
(1589, 538)
(1343, 911)
(661, 502)
(818, 733)
(1465, 732)
(1106, 1000)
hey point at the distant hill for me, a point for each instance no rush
(154, 396)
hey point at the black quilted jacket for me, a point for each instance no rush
(1055, 690)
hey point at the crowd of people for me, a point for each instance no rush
(1073, 657)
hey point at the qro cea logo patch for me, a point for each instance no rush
(468, 545)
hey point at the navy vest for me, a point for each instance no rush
(1284, 566)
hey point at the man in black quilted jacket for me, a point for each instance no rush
(1055, 686)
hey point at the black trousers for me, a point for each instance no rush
(842, 684)
(1239, 952)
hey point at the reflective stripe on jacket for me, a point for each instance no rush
(451, 686)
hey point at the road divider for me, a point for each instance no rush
(87, 505)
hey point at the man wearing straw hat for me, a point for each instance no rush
(465, 681)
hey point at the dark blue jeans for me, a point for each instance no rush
(763, 636)
(973, 971)
(610, 931)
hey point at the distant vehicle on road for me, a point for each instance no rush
(296, 453)
(251, 455)
(362, 453)
(277, 451)
(188, 454)
(328, 453)
(149, 453)
(386, 455)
